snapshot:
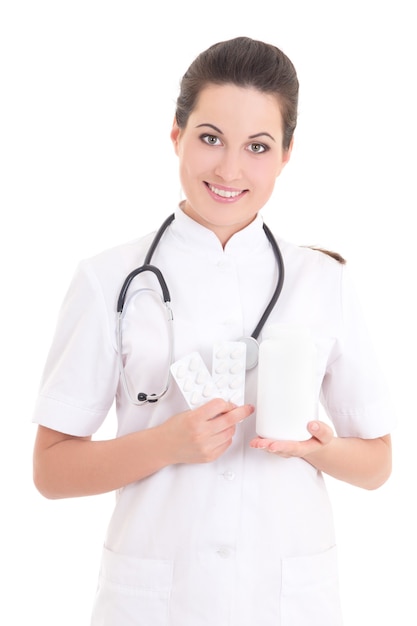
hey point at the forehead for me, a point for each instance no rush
(244, 107)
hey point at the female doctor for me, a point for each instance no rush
(212, 524)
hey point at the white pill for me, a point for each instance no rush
(195, 398)
(236, 368)
(201, 377)
(221, 353)
(181, 371)
(237, 397)
(221, 367)
(188, 385)
(221, 382)
(237, 353)
(208, 391)
(194, 364)
(236, 382)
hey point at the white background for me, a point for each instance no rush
(87, 99)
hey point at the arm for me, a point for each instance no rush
(364, 463)
(67, 466)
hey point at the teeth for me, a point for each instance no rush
(223, 193)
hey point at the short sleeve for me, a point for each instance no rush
(354, 391)
(80, 377)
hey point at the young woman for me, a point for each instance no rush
(207, 528)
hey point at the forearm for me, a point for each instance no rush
(72, 467)
(66, 466)
(365, 463)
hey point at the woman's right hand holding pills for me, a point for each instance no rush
(202, 435)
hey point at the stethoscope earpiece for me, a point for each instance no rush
(143, 397)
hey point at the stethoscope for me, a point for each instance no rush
(251, 342)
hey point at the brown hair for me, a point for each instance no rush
(335, 255)
(243, 62)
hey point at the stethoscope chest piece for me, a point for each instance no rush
(252, 351)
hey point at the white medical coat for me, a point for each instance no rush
(247, 539)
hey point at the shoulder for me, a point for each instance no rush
(119, 259)
(125, 254)
(331, 253)
(311, 256)
(312, 273)
(103, 274)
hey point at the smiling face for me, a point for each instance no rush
(230, 154)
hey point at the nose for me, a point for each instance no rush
(229, 166)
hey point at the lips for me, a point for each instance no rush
(224, 192)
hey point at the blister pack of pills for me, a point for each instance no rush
(226, 381)
(229, 369)
(194, 380)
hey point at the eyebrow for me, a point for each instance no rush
(211, 126)
(263, 133)
(260, 135)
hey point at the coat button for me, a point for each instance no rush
(223, 552)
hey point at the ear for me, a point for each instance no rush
(286, 155)
(175, 134)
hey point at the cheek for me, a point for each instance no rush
(265, 175)
(195, 162)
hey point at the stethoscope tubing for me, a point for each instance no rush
(279, 285)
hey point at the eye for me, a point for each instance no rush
(257, 148)
(211, 140)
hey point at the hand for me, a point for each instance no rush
(202, 435)
(321, 433)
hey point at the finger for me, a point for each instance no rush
(214, 408)
(230, 420)
(286, 448)
(238, 414)
(221, 409)
(261, 443)
(320, 431)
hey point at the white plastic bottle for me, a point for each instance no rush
(286, 398)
